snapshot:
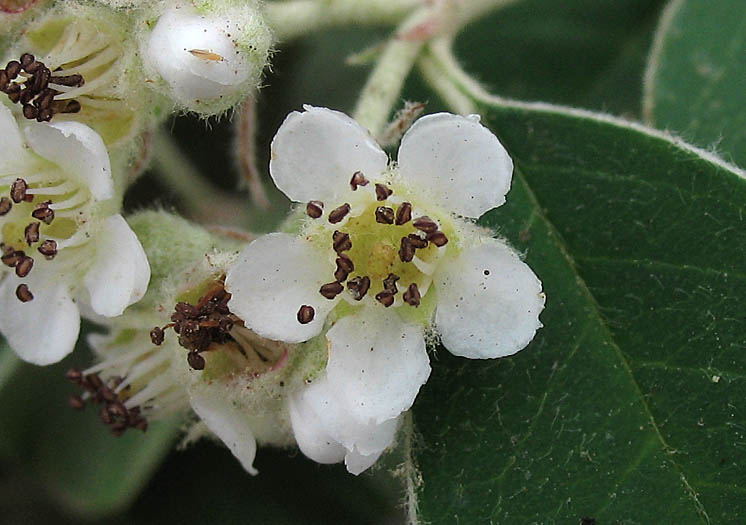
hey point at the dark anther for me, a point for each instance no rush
(359, 286)
(66, 106)
(389, 283)
(24, 294)
(383, 192)
(438, 238)
(26, 60)
(385, 297)
(31, 233)
(412, 295)
(157, 335)
(358, 179)
(48, 249)
(341, 241)
(14, 93)
(417, 241)
(344, 267)
(12, 69)
(384, 215)
(74, 375)
(24, 265)
(45, 115)
(11, 257)
(196, 361)
(330, 290)
(18, 190)
(338, 214)
(314, 209)
(69, 80)
(426, 224)
(5, 206)
(30, 112)
(305, 314)
(406, 251)
(43, 212)
(186, 309)
(77, 402)
(404, 214)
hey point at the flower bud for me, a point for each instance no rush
(207, 59)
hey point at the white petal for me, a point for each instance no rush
(120, 272)
(316, 152)
(196, 55)
(459, 162)
(309, 432)
(337, 421)
(377, 364)
(273, 277)
(41, 331)
(489, 302)
(78, 150)
(357, 463)
(12, 139)
(228, 423)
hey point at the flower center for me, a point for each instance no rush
(385, 253)
(40, 91)
(41, 213)
(208, 327)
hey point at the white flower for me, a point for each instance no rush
(63, 245)
(392, 234)
(208, 58)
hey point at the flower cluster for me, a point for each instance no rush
(316, 336)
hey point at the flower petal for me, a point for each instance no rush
(489, 302)
(228, 423)
(336, 420)
(377, 364)
(78, 150)
(458, 161)
(309, 432)
(12, 139)
(316, 152)
(120, 272)
(41, 331)
(273, 277)
(357, 463)
(184, 47)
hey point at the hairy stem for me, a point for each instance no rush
(300, 17)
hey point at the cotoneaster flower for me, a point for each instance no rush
(383, 256)
(64, 246)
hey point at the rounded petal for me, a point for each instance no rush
(489, 302)
(459, 162)
(196, 55)
(228, 423)
(316, 152)
(377, 364)
(357, 463)
(273, 277)
(78, 150)
(120, 273)
(336, 420)
(12, 139)
(41, 331)
(310, 435)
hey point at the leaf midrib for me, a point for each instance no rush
(596, 311)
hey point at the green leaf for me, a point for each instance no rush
(72, 454)
(587, 53)
(630, 404)
(696, 77)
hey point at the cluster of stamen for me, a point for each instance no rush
(427, 233)
(113, 411)
(199, 326)
(18, 259)
(30, 83)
